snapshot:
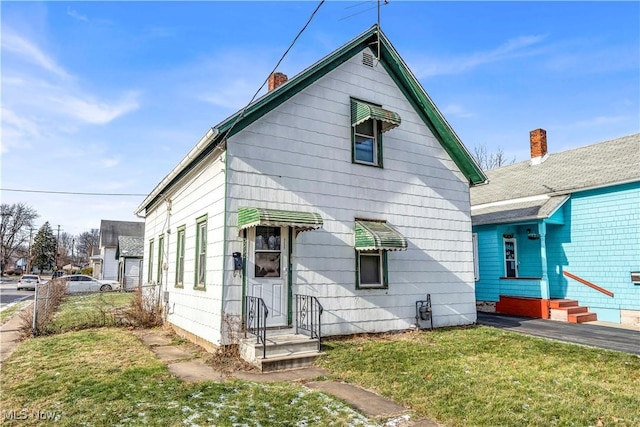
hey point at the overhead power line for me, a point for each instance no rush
(276, 67)
(73, 193)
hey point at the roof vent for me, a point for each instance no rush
(367, 59)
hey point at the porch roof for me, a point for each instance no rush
(378, 235)
(251, 217)
(517, 212)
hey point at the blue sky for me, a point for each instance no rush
(107, 97)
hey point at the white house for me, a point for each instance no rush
(344, 183)
(106, 265)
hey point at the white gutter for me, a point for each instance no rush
(195, 152)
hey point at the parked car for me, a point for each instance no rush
(28, 282)
(58, 273)
(77, 283)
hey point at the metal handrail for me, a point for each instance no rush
(256, 321)
(308, 317)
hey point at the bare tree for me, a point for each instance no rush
(492, 160)
(65, 247)
(86, 242)
(16, 221)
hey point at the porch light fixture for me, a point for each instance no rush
(532, 236)
(507, 236)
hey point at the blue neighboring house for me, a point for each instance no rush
(559, 236)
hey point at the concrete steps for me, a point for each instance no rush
(283, 351)
(568, 310)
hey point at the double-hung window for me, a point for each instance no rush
(201, 251)
(372, 269)
(160, 258)
(180, 257)
(510, 258)
(369, 122)
(150, 271)
(373, 240)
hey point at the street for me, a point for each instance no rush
(9, 294)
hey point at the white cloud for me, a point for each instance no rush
(456, 110)
(46, 102)
(23, 48)
(76, 15)
(514, 48)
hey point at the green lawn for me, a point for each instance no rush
(90, 310)
(8, 313)
(480, 376)
(107, 377)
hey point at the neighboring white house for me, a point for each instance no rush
(106, 265)
(344, 183)
(129, 253)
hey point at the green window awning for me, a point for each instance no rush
(361, 112)
(251, 217)
(377, 235)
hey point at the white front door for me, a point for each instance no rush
(267, 271)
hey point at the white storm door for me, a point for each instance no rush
(267, 271)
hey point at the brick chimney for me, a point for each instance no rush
(276, 79)
(538, 142)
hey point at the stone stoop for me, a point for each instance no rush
(568, 310)
(284, 351)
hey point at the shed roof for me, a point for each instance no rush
(392, 63)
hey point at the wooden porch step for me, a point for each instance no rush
(582, 317)
(562, 303)
(283, 351)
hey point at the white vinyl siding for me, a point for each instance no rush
(307, 165)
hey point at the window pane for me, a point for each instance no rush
(267, 238)
(364, 149)
(370, 269)
(365, 128)
(201, 269)
(511, 269)
(267, 264)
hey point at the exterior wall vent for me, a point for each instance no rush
(367, 59)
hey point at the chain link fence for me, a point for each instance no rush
(143, 309)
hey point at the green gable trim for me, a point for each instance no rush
(251, 217)
(392, 63)
(377, 235)
(361, 112)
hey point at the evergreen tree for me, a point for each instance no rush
(44, 248)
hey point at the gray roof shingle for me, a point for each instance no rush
(130, 247)
(111, 230)
(607, 163)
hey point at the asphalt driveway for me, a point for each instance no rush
(607, 337)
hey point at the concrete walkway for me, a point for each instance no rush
(594, 334)
(187, 364)
(10, 336)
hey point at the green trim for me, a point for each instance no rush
(393, 64)
(362, 111)
(160, 257)
(150, 266)
(290, 278)
(378, 235)
(244, 273)
(251, 217)
(180, 249)
(196, 283)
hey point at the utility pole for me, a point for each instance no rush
(29, 252)
(57, 243)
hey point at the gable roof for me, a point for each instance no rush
(111, 230)
(392, 63)
(130, 247)
(523, 191)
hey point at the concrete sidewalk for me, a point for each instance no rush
(594, 334)
(189, 366)
(10, 336)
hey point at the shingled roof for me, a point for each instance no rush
(111, 230)
(524, 191)
(130, 247)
